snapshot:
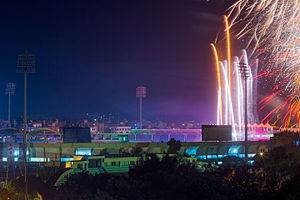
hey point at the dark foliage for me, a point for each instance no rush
(174, 146)
(153, 179)
(6, 194)
(275, 168)
(290, 189)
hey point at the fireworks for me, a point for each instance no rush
(271, 29)
(230, 110)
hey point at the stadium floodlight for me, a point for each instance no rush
(141, 93)
(10, 90)
(25, 64)
(244, 71)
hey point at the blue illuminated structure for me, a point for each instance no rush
(83, 152)
(215, 153)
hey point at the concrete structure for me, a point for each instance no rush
(255, 132)
(110, 138)
(158, 135)
(55, 154)
(121, 134)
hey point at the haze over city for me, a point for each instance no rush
(90, 57)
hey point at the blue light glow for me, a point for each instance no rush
(211, 156)
(66, 159)
(191, 151)
(38, 159)
(233, 150)
(4, 159)
(83, 152)
(16, 151)
(251, 162)
(201, 157)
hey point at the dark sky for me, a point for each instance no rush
(90, 56)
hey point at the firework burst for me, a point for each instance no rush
(272, 31)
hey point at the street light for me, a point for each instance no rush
(261, 153)
(244, 71)
(141, 93)
(10, 90)
(25, 64)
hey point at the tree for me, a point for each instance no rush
(35, 185)
(233, 161)
(174, 146)
(137, 151)
(290, 189)
(169, 178)
(276, 167)
(5, 194)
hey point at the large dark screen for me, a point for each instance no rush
(216, 133)
(76, 135)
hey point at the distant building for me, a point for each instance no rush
(97, 127)
(120, 129)
(37, 124)
(160, 125)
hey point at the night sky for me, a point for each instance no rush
(91, 55)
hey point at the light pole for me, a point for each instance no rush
(244, 70)
(25, 64)
(10, 90)
(141, 93)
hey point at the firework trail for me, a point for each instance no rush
(230, 109)
(272, 31)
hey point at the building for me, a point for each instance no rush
(96, 165)
(55, 154)
(119, 129)
(110, 138)
(164, 135)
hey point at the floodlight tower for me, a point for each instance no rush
(244, 71)
(10, 90)
(25, 65)
(141, 93)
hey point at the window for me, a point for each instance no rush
(201, 157)
(211, 156)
